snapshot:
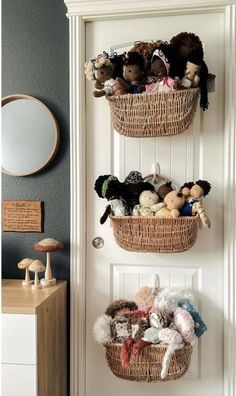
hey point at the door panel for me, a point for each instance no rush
(196, 153)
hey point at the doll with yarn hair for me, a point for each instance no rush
(133, 73)
(193, 193)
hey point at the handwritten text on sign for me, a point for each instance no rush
(22, 216)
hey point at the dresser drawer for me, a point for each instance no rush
(19, 339)
(19, 380)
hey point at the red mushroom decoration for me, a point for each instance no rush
(48, 245)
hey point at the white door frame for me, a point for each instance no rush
(80, 12)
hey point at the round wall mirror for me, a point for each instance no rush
(30, 135)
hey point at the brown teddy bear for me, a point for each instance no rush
(191, 78)
(173, 203)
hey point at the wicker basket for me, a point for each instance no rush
(153, 114)
(147, 366)
(151, 234)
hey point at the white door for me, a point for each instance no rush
(196, 153)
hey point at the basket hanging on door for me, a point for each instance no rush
(155, 235)
(153, 114)
(148, 365)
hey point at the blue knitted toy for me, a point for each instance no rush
(199, 326)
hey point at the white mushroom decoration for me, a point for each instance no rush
(36, 266)
(24, 264)
(48, 245)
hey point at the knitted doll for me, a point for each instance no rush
(147, 200)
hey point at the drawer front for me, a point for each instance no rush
(19, 380)
(19, 339)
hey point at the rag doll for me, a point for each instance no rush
(147, 200)
(193, 204)
(135, 185)
(100, 70)
(133, 73)
(160, 68)
(173, 202)
(114, 191)
(186, 47)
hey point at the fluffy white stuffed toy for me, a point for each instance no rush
(102, 329)
(174, 341)
(167, 300)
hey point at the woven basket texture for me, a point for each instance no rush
(153, 114)
(155, 235)
(147, 366)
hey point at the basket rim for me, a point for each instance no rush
(187, 345)
(142, 95)
(191, 218)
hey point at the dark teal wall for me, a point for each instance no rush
(35, 61)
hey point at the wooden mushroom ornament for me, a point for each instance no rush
(24, 264)
(48, 245)
(36, 266)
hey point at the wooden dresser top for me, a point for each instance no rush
(17, 299)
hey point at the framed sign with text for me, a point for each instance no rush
(22, 216)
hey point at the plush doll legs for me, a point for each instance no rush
(198, 208)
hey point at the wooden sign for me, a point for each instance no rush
(22, 216)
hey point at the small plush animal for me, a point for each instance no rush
(173, 202)
(174, 341)
(120, 329)
(120, 308)
(191, 78)
(164, 189)
(199, 326)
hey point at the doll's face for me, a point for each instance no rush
(103, 74)
(133, 73)
(196, 191)
(148, 198)
(173, 201)
(184, 50)
(159, 68)
(186, 192)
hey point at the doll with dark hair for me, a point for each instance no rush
(187, 47)
(133, 73)
(122, 197)
(193, 204)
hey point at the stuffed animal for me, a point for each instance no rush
(168, 299)
(147, 200)
(145, 297)
(174, 341)
(185, 325)
(186, 47)
(158, 319)
(151, 335)
(191, 77)
(199, 326)
(133, 73)
(160, 68)
(173, 202)
(120, 308)
(102, 329)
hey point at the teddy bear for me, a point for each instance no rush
(173, 202)
(164, 189)
(147, 201)
(191, 77)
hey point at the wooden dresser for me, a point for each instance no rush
(34, 340)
